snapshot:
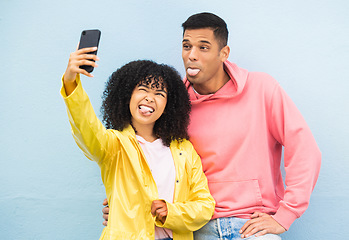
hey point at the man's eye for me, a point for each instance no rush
(186, 46)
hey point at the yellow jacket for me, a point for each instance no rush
(128, 182)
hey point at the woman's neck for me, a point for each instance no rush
(146, 132)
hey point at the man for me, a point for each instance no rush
(240, 121)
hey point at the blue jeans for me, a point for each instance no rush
(227, 229)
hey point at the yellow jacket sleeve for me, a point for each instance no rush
(88, 131)
(191, 215)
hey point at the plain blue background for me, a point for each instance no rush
(49, 190)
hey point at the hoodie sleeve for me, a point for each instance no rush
(302, 157)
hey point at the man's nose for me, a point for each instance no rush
(193, 55)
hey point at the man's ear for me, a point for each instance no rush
(225, 53)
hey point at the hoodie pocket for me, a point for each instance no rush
(236, 195)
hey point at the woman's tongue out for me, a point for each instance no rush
(146, 110)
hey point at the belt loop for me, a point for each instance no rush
(219, 229)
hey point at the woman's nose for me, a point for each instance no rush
(149, 98)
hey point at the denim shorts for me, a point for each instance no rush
(227, 229)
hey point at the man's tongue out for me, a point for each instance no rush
(146, 110)
(193, 71)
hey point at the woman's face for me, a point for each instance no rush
(147, 103)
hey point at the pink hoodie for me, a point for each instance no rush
(239, 132)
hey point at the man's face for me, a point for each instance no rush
(202, 57)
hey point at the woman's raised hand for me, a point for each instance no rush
(78, 58)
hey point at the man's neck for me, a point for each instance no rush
(213, 85)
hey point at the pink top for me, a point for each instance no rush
(239, 132)
(160, 161)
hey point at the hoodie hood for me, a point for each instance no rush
(238, 77)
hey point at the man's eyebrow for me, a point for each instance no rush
(204, 41)
(201, 41)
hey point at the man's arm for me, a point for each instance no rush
(302, 159)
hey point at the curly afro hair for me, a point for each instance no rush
(173, 123)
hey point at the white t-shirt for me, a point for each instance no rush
(162, 167)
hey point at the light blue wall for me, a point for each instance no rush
(49, 190)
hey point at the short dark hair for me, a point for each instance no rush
(173, 123)
(208, 20)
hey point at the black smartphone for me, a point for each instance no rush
(89, 38)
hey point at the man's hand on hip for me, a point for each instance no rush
(261, 224)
